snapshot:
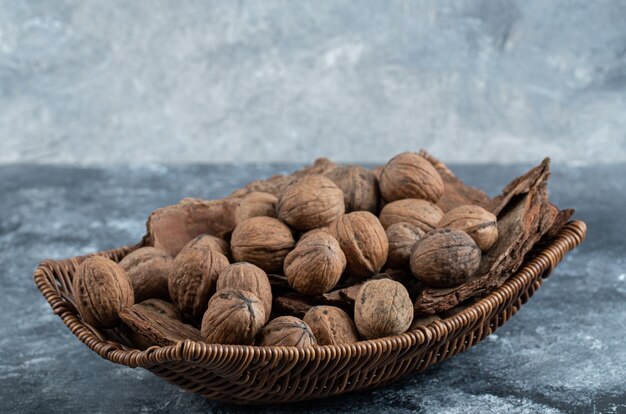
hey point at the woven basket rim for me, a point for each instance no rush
(572, 234)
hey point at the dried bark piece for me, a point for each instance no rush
(402, 237)
(205, 242)
(560, 220)
(101, 290)
(256, 204)
(315, 265)
(278, 281)
(520, 185)
(275, 184)
(293, 304)
(148, 269)
(232, 317)
(248, 277)
(193, 279)
(359, 186)
(286, 331)
(331, 325)
(364, 242)
(171, 227)
(309, 202)
(523, 220)
(408, 175)
(445, 258)
(161, 307)
(153, 328)
(456, 192)
(420, 213)
(382, 308)
(480, 224)
(342, 297)
(262, 241)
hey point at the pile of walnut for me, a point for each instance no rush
(329, 255)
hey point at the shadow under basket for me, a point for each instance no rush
(251, 374)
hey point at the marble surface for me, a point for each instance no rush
(106, 81)
(563, 353)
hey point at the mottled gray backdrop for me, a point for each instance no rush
(198, 81)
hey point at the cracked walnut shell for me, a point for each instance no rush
(309, 202)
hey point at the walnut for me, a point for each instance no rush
(309, 202)
(208, 242)
(193, 279)
(363, 241)
(331, 325)
(408, 175)
(262, 241)
(314, 231)
(445, 258)
(248, 277)
(286, 331)
(315, 265)
(256, 204)
(382, 308)
(402, 237)
(377, 171)
(232, 317)
(359, 186)
(148, 269)
(479, 223)
(101, 290)
(420, 213)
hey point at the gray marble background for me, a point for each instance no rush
(563, 353)
(114, 81)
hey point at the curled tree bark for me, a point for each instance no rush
(524, 216)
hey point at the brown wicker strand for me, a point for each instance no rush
(248, 374)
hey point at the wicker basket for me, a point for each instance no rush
(250, 374)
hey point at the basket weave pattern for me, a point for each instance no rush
(249, 374)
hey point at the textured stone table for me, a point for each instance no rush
(564, 352)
